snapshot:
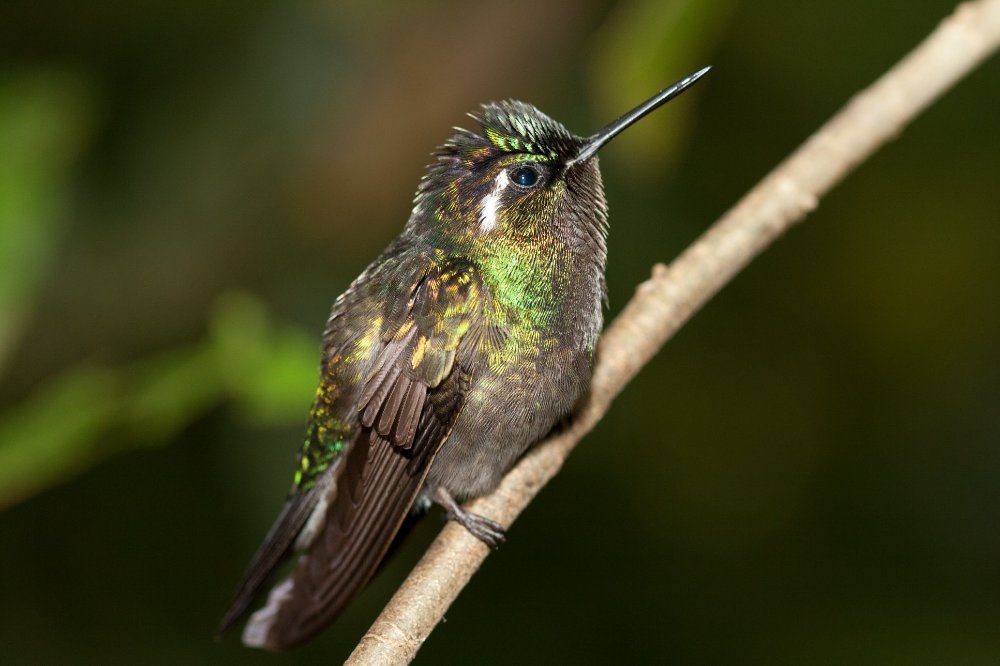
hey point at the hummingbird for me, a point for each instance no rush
(465, 342)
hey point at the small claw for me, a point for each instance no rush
(488, 531)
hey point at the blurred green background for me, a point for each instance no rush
(806, 474)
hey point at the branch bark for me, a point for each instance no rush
(674, 293)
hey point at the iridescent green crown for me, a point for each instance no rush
(516, 127)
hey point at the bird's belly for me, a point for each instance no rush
(505, 413)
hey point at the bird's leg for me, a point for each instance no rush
(489, 532)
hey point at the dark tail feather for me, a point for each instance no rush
(270, 554)
(376, 487)
(359, 528)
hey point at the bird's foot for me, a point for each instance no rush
(488, 531)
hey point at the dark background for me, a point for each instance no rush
(806, 474)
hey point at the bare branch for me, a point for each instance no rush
(667, 300)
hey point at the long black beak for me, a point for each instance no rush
(597, 141)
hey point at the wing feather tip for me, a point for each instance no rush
(258, 630)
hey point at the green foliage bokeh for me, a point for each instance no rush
(806, 474)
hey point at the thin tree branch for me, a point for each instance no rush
(674, 293)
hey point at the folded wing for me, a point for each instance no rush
(407, 407)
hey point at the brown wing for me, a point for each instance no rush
(407, 408)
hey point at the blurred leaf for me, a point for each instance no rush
(270, 372)
(55, 433)
(171, 390)
(45, 118)
(64, 428)
(643, 47)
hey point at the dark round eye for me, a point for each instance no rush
(525, 176)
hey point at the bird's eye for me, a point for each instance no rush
(525, 176)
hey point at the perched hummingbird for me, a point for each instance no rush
(464, 343)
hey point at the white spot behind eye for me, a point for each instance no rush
(491, 202)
